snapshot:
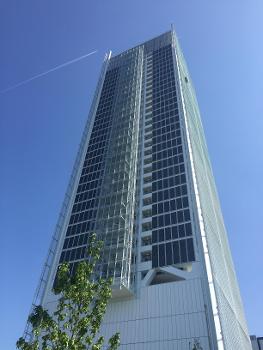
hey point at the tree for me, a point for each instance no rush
(82, 303)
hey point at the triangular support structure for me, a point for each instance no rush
(164, 275)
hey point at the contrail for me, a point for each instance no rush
(48, 71)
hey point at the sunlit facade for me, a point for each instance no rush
(143, 182)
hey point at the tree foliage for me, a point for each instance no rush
(76, 321)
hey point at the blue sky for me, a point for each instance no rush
(41, 122)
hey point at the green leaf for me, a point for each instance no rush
(80, 309)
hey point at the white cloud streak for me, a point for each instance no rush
(47, 72)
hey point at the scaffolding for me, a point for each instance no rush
(115, 218)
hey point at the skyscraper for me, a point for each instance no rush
(143, 182)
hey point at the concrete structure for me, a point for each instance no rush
(143, 182)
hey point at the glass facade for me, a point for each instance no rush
(138, 94)
(170, 205)
(85, 208)
(143, 182)
(105, 196)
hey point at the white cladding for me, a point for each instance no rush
(164, 316)
(167, 316)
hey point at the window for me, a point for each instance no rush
(147, 161)
(169, 257)
(147, 201)
(183, 250)
(146, 213)
(147, 190)
(146, 226)
(146, 256)
(190, 249)
(162, 255)
(161, 235)
(146, 240)
(176, 252)
(155, 260)
(147, 170)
